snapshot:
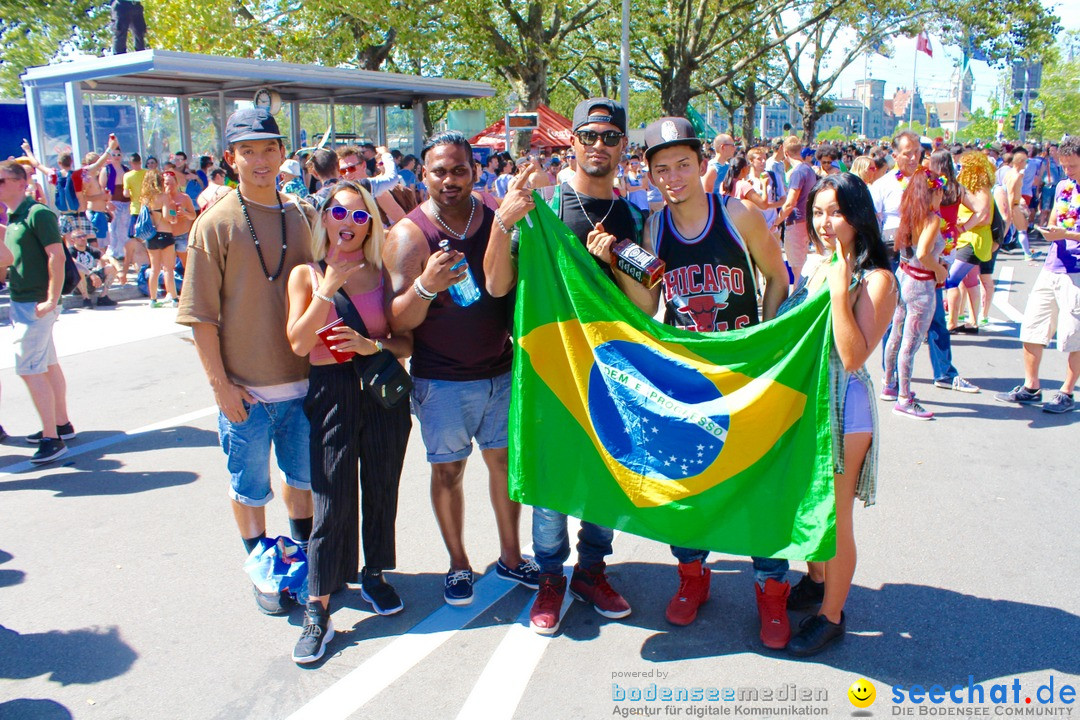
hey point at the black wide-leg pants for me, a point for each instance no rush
(352, 438)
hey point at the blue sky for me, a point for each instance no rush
(935, 77)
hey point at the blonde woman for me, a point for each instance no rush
(161, 247)
(977, 176)
(352, 436)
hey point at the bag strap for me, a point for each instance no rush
(345, 308)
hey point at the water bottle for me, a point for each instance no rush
(466, 292)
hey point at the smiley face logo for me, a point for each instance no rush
(862, 693)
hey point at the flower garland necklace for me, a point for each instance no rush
(1067, 208)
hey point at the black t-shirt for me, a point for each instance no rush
(581, 213)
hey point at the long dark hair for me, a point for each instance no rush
(941, 163)
(735, 168)
(857, 207)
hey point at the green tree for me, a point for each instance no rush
(37, 32)
(1057, 108)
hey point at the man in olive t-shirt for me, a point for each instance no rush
(36, 278)
(234, 299)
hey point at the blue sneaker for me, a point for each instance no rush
(458, 587)
(527, 573)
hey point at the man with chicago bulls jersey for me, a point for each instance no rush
(711, 246)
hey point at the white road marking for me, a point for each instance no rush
(79, 449)
(498, 692)
(79, 331)
(1001, 296)
(378, 672)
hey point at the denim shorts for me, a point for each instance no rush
(247, 447)
(100, 222)
(452, 413)
(181, 242)
(34, 348)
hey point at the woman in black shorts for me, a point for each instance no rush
(160, 247)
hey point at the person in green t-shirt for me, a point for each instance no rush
(36, 278)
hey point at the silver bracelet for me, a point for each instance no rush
(502, 225)
(322, 297)
(422, 292)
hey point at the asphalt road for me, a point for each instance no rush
(122, 593)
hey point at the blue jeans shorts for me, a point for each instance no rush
(34, 348)
(100, 222)
(247, 447)
(452, 413)
(181, 242)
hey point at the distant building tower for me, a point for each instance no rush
(871, 93)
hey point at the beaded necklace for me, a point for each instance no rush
(251, 228)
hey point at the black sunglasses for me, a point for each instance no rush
(588, 138)
(360, 217)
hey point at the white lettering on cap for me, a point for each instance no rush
(669, 131)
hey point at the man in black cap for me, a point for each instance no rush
(588, 206)
(234, 299)
(711, 245)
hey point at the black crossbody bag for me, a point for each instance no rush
(380, 374)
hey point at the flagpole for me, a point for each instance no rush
(959, 90)
(866, 92)
(911, 100)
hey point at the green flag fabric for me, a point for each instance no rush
(717, 441)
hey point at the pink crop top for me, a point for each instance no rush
(370, 305)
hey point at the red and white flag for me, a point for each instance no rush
(922, 44)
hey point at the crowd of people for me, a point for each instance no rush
(307, 276)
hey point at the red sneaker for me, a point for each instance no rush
(544, 616)
(693, 590)
(772, 607)
(591, 586)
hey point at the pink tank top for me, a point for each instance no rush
(370, 305)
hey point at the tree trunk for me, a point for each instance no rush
(810, 114)
(532, 88)
(675, 92)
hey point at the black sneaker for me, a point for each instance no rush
(3, 434)
(106, 301)
(806, 594)
(48, 450)
(65, 432)
(278, 603)
(381, 594)
(318, 631)
(815, 634)
(88, 303)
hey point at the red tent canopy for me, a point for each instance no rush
(554, 132)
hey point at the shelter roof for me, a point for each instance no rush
(165, 72)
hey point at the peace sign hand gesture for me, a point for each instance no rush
(518, 201)
(337, 272)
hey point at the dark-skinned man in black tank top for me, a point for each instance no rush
(588, 206)
(461, 355)
(711, 250)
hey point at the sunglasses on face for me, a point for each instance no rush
(346, 169)
(588, 138)
(360, 217)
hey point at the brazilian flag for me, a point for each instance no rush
(717, 441)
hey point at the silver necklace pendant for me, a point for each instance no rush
(577, 196)
(472, 211)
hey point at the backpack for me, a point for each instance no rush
(67, 197)
(71, 272)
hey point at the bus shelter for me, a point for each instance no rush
(158, 102)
